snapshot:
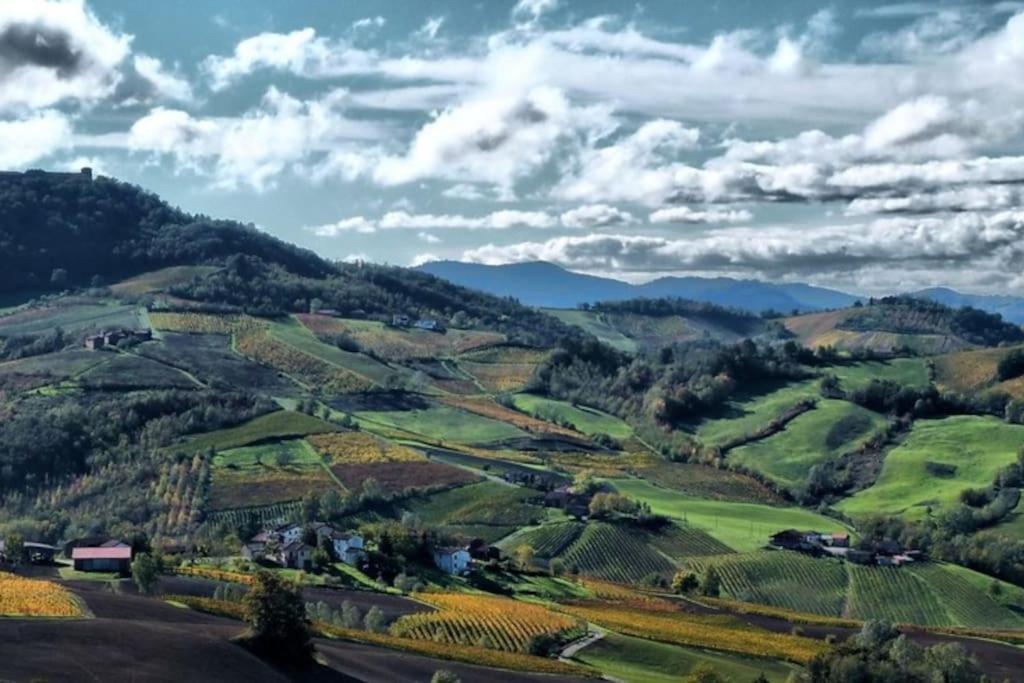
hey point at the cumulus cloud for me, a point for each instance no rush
(924, 243)
(255, 149)
(430, 28)
(596, 216)
(345, 225)
(987, 198)
(26, 141)
(404, 220)
(529, 11)
(56, 50)
(496, 138)
(685, 214)
(164, 83)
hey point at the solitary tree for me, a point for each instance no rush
(375, 621)
(711, 583)
(524, 556)
(15, 549)
(277, 619)
(145, 572)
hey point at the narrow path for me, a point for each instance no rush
(594, 634)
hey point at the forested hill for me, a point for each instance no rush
(59, 232)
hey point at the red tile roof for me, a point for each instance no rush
(116, 553)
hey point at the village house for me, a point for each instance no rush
(400, 320)
(348, 547)
(430, 325)
(884, 553)
(452, 560)
(297, 555)
(284, 544)
(112, 337)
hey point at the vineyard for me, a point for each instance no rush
(713, 632)
(966, 603)
(608, 551)
(360, 448)
(487, 621)
(782, 579)
(21, 597)
(547, 541)
(253, 487)
(894, 594)
(400, 477)
(502, 368)
(681, 542)
(486, 503)
(260, 515)
(213, 574)
(204, 323)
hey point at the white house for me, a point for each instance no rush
(452, 560)
(288, 533)
(348, 547)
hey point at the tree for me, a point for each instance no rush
(685, 583)
(444, 676)
(703, 673)
(276, 615)
(145, 572)
(15, 549)
(351, 617)
(710, 583)
(524, 556)
(375, 621)
(556, 567)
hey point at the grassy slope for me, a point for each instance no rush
(298, 452)
(911, 372)
(71, 318)
(741, 526)
(787, 456)
(641, 661)
(977, 446)
(281, 424)
(586, 420)
(592, 323)
(975, 371)
(442, 423)
(749, 412)
(161, 279)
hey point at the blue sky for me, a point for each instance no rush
(869, 146)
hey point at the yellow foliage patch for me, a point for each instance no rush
(21, 597)
(500, 623)
(346, 448)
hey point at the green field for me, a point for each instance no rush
(741, 526)
(643, 661)
(910, 372)
(615, 552)
(817, 436)
(919, 472)
(282, 424)
(749, 412)
(293, 451)
(441, 423)
(161, 279)
(486, 503)
(583, 419)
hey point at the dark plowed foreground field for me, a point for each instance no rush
(147, 640)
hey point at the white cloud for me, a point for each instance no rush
(56, 50)
(346, 225)
(530, 11)
(497, 220)
(596, 216)
(965, 240)
(987, 198)
(253, 150)
(463, 191)
(166, 84)
(420, 259)
(430, 28)
(369, 23)
(685, 214)
(301, 52)
(428, 238)
(494, 139)
(26, 141)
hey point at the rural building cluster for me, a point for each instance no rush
(429, 324)
(114, 337)
(884, 554)
(292, 545)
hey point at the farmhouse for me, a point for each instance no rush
(112, 337)
(40, 553)
(116, 557)
(884, 553)
(297, 555)
(348, 547)
(452, 560)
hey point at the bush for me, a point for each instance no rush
(277, 620)
(1011, 365)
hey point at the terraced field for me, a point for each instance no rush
(583, 419)
(938, 460)
(813, 438)
(609, 551)
(741, 526)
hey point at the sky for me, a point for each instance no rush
(869, 146)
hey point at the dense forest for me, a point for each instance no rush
(737, 321)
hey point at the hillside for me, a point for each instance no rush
(893, 323)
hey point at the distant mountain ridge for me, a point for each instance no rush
(547, 285)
